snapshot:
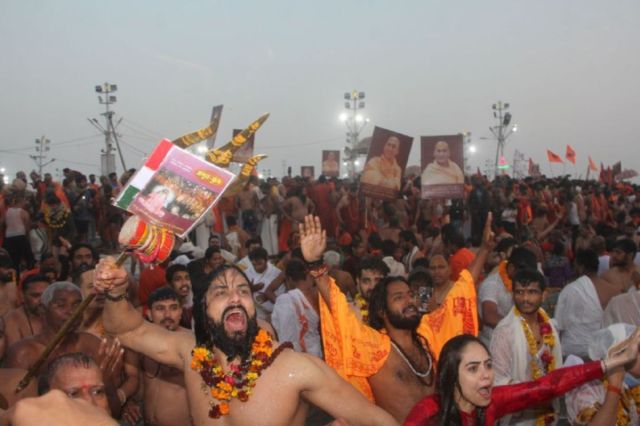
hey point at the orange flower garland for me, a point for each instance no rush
(504, 276)
(363, 305)
(547, 358)
(241, 379)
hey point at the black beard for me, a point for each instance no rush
(239, 344)
(403, 323)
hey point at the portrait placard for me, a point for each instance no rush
(387, 158)
(442, 163)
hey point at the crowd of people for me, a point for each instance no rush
(300, 301)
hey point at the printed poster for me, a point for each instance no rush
(442, 163)
(174, 189)
(386, 161)
(331, 163)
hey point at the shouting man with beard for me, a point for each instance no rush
(390, 360)
(232, 366)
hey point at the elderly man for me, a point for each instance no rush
(79, 377)
(442, 171)
(232, 366)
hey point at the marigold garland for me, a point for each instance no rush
(240, 380)
(504, 276)
(547, 358)
(55, 219)
(363, 305)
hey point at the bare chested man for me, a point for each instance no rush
(228, 340)
(249, 205)
(165, 396)
(622, 271)
(59, 300)
(396, 354)
(405, 375)
(26, 321)
(297, 206)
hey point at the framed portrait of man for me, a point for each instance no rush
(442, 163)
(387, 158)
(307, 172)
(331, 163)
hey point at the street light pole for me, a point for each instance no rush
(108, 163)
(42, 147)
(503, 117)
(355, 123)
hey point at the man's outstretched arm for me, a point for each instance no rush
(121, 319)
(323, 387)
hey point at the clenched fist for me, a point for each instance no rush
(109, 278)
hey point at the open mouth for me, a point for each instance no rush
(235, 320)
(410, 310)
(485, 392)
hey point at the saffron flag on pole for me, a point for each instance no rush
(554, 158)
(570, 155)
(592, 166)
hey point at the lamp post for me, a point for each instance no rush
(108, 162)
(42, 147)
(355, 122)
(503, 118)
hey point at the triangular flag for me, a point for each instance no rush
(554, 158)
(570, 155)
(592, 166)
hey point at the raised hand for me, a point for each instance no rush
(313, 239)
(110, 278)
(488, 237)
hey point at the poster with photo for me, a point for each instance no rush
(442, 163)
(307, 172)
(331, 163)
(245, 152)
(386, 161)
(174, 189)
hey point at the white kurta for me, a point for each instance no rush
(493, 290)
(578, 315)
(263, 307)
(511, 362)
(295, 321)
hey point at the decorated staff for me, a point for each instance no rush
(152, 243)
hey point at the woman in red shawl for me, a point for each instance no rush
(465, 394)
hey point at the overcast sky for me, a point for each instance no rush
(569, 69)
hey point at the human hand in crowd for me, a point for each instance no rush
(635, 278)
(132, 412)
(313, 239)
(57, 409)
(65, 246)
(110, 278)
(488, 237)
(622, 356)
(110, 355)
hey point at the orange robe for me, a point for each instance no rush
(457, 315)
(352, 348)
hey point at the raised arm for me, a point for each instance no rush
(488, 243)
(313, 241)
(121, 319)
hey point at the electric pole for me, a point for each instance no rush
(355, 122)
(107, 158)
(42, 147)
(503, 118)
